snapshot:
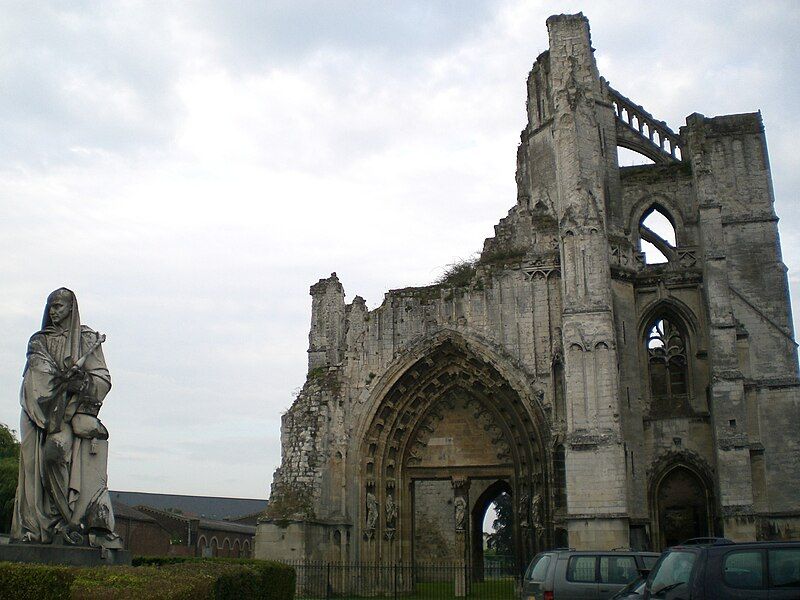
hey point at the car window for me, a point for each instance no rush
(650, 561)
(618, 569)
(674, 569)
(538, 568)
(784, 567)
(744, 569)
(581, 569)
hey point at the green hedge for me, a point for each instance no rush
(159, 578)
(26, 581)
(128, 583)
(275, 581)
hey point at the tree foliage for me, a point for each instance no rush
(502, 540)
(9, 471)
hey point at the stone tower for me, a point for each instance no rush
(627, 383)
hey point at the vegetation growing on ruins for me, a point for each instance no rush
(291, 502)
(326, 378)
(458, 274)
(462, 272)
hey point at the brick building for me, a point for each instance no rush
(141, 533)
(180, 525)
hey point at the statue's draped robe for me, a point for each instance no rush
(50, 464)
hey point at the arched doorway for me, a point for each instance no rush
(452, 423)
(497, 494)
(682, 506)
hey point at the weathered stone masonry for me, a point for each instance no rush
(619, 402)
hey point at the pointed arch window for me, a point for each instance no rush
(668, 367)
(657, 236)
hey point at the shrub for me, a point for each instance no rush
(273, 580)
(458, 274)
(167, 578)
(35, 582)
(176, 581)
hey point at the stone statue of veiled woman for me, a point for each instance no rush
(61, 492)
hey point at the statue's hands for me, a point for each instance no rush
(76, 380)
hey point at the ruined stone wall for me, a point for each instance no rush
(298, 484)
(562, 288)
(512, 308)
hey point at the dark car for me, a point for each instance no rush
(721, 569)
(582, 575)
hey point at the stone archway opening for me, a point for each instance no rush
(450, 427)
(683, 506)
(493, 550)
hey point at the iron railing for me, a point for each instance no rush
(410, 581)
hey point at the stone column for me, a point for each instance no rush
(327, 334)
(595, 462)
(462, 526)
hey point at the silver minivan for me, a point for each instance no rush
(583, 575)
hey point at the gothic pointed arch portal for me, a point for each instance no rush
(681, 500)
(448, 428)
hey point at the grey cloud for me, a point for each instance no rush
(78, 76)
(264, 34)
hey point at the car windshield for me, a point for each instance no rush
(673, 570)
(634, 587)
(538, 568)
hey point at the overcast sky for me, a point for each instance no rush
(190, 168)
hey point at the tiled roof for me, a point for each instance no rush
(123, 511)
(207, 507)
(203, 523)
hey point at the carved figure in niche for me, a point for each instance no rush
(391, 512)
(372, 511)
(536, 512)
(61, 491)
(524, 500)
(460, 510)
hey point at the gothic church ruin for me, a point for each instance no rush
(620, 400)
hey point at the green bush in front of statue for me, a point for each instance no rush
(275, 581)
(35, 582)
(160, 579)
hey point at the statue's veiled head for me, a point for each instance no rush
(59, 308)
(61, 313)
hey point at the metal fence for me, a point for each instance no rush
(410, 581)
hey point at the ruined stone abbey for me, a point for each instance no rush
(620, 359)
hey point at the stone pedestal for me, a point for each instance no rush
(461, 589)
(461, 583)
(73, 556)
